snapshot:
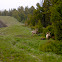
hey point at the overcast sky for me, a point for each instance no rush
(8, 4)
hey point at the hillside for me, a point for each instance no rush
(9, 21)
(18, 45)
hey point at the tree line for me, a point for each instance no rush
(20, 14)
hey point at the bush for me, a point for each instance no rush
(39, 26)
(49, 29)
(58, 30)
(52, 46)
(56, 19)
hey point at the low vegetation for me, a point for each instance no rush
(52, 46)
(18, 45)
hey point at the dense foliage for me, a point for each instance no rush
(56, 18)
(52, 46)
(55, 28)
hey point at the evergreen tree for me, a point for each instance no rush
(39, 26)
(5, 13)
(56, 18)
(15, 14)
(46, 12)
(0, 13)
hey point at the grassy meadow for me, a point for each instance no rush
(18, 45)
(9, 21)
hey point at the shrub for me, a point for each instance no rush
(52, 46)
(48, 29)
(39, 26)
(58, 30)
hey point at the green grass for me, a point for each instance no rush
(9, 21)
(18, 45)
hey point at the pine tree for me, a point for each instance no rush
(56, 19)
(39, 26)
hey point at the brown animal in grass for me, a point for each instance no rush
(48, 35)
(35, 31)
